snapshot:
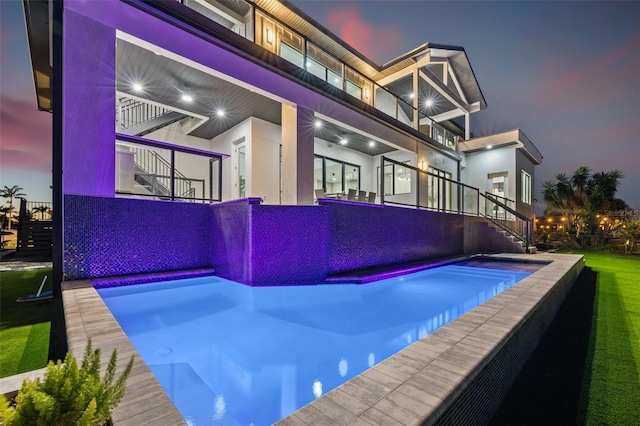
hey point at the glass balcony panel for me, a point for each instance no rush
(354, 90)
(292, 55)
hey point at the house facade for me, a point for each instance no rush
(227, 134)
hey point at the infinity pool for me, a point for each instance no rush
(226, 353)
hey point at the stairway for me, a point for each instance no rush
(483, 236)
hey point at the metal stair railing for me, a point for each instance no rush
(132, 112)
(508, 219)
(154, 166)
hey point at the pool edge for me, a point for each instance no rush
(446, 377)
(423, 383)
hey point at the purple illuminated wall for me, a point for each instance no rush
(118, 236)
(364, 236)
(269, 245)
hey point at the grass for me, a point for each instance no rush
(586, 368)
(24, 327)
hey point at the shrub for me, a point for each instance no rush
(68, 395)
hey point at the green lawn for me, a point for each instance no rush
(586, 369)
(24, 327)
(611, 392)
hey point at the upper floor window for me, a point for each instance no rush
(526, 188)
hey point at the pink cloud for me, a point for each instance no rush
(377, 43)
(25, 136)
(594, 82)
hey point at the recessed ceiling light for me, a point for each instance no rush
(137, 87)
(489, 146)
(318, 124)
(372, 144)
(336, 80)
(411, 95)
(220, 113)
(186, 94)
(343, 141)
(429, 102)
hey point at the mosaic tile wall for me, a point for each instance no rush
(364, 236)
(119, 236)
(269, 245)
(288, 244)
(248, 242)
(229, 242)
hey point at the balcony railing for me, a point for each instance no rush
(425, 190)
(147, 168)
(257, 25)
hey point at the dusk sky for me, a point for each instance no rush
(566, 73)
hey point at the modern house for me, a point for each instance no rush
(242, 135)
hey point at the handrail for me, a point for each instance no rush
(487, 193)
(520, 227)
(524, 234)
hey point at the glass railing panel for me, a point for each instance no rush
(236, 16)
(146, 170)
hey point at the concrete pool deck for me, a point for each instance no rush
(440, 378)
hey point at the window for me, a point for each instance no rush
(397, 179)
(438, 190)
(526, 187)
(336, 177)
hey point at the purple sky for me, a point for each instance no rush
(566, 73)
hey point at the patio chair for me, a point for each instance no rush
(352, 195)
(362, 196)
(320, 193)
(372, 198)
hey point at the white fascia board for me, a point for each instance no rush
(221, 10)
(457, 84)
(395, 76)
(442, 92)
(448, 115)
(511, 138)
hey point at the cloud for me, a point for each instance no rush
(379, 43)
(25, 136)
(603, 78)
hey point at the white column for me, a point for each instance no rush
(467, 124)
(416, 116)
(297, 155)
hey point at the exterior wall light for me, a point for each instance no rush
(270, 36)
(343, 141)
(424, 166)
(367, 92)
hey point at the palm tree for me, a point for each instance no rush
(582, 196)
(11, 193)
(41, 209)
(6, 215)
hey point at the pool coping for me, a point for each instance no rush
(413, 386)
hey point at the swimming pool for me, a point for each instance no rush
(226, 353)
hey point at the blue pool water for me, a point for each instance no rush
(230, 354)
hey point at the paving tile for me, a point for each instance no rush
(377, 417)
(312, 416)
(420, 409)
(397, 412)
(355, 405)
(335, 411)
